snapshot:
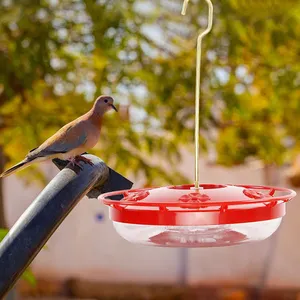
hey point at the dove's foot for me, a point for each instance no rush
(74, 162)
(84, 159)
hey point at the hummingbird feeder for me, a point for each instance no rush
(198, 215)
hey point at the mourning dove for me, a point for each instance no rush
(71, 140)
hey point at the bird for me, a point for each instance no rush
(71, 140)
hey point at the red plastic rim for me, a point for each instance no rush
(211, 205)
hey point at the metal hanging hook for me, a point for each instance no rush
(197, 91)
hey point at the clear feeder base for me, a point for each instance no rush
(197, 236)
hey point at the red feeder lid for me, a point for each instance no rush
(212, 204)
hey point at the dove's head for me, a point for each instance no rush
(103, 104)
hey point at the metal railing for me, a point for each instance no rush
(40, 220)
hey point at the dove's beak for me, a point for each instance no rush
(114, 107)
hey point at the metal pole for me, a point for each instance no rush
(33, 229)
(183, 266)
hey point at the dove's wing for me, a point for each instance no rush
(68, 138)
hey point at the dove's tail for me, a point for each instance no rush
(21, 165)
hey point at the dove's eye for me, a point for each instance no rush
(105, 100)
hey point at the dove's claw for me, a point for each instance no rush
(75, 163)
(84, 159)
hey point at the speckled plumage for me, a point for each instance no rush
(71, 140)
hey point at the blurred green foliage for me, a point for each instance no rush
(261, 94)
(250, 80)
(57, 56)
